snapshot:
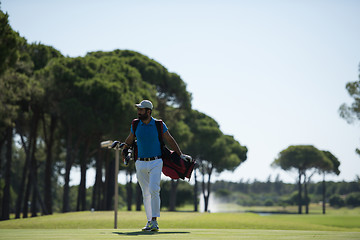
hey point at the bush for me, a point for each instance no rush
(184, 193)
(269, 203)
(223, 193)
(293, 199)
(353, 199)
(243, 199)
(336, 201)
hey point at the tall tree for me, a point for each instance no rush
(352, 113)
(38, 55)
(64, 73)
(301, 158)
(206, 131)
(9, 43)
(328, 168)
(21, 103)
(41, 55)
(213, 150)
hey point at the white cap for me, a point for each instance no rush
(144, 104)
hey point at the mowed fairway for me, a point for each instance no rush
(184, 225)
(100, 234)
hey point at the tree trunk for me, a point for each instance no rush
(306, 196)
(104, 185)
(33, 188)
(83, 175)
(172, 203)
(23, 181)
(68, 165)
(299, 195)
(206, 203)
(138, 197)
(27, 196)
(323, 194)
(307, 179)
(33, 175)
(110, 181)
(5, 213)
(49, 164)
(203, 192)
(99, 181)
(96, 194)
(81, 205)
(36, 196)
(129, 191)
(42, 205)
(29, 147)
(195, 193)
(2, 141)
(206, 188)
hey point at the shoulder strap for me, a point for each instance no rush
(134, 124)
(160, 128)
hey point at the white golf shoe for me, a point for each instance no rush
(151, 226)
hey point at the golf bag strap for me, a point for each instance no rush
(134, 124)
(160, 128)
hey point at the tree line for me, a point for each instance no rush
(55, 111)
(278, 193)
(272, 192)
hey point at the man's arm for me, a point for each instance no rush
(172, 143)
(128, 142)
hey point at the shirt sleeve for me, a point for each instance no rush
(131, 129)
(164, 128)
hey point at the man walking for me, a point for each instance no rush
(149, 162)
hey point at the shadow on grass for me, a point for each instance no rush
(137, 233)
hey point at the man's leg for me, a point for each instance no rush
(154, 186)
(142, 175)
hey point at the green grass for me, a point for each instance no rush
(189, 220)
(102, 234)
(337, 224)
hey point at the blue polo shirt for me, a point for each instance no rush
(148, 139)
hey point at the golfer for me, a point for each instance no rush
(149, 163)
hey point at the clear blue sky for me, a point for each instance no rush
(272, 73)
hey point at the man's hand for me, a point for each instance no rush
(186, 158)
(124, 152)
(129, 140)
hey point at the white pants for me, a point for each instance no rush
(148, 174)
